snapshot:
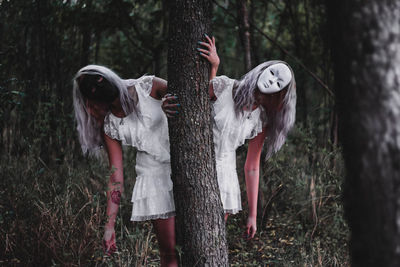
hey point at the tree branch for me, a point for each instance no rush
(274, 42)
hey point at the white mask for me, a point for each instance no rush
(274, 78)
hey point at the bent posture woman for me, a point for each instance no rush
(260, 106)
(115, 112)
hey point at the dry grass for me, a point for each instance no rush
(53, 214)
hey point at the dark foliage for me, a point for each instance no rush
(52, 198)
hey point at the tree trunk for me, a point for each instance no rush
(244, 32)
(200, 223)
(86, 37)
(367, 56)
(86, 40)
(254, 42)
(299, 34)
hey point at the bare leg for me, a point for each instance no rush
(165, 232)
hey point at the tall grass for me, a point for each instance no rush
(53, 213)
(301, 221)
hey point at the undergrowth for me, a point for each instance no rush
(52, 214)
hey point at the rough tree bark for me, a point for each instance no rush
(367, 70)
(200, 223)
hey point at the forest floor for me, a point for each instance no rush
(53, 215)
(296, 229)
(282, 242)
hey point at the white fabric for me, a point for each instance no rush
(230, 131)
(228, 182)
(152, 195)
(150, 133)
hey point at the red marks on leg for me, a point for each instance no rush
(116, 196)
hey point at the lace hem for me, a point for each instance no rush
(232, 211)
(149, 208)
(153, 217)
(231, 202)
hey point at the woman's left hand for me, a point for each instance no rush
(251, 228)
(170, 109)
(109, 242)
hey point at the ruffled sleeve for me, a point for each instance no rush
(145, 83)
(133, 132)
(231, 130)
(142, 85)
(111, 126)
(220, 83)
(253, 124)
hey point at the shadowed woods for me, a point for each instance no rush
(53, 199)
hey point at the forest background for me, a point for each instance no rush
(52, 198)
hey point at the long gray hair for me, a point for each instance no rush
(279, 122)
(89, 132)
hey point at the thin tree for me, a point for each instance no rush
(200, 223)
(367, 57)
(244, 32)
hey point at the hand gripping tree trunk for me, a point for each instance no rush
(367, 71)
(200, 223)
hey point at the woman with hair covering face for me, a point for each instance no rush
(113, 112)
(260, 107)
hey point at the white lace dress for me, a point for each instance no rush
(152, 195)
(230, 131)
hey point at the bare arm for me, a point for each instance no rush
(159, 88)
(252, 176)
(114, 191)
(209, 52)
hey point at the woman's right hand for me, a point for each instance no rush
(170, 109)
(209, 52)
(109, 241)
(251, 228)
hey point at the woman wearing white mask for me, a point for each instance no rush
(261, 107)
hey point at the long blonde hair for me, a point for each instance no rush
(278, 123)
(89, 132)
